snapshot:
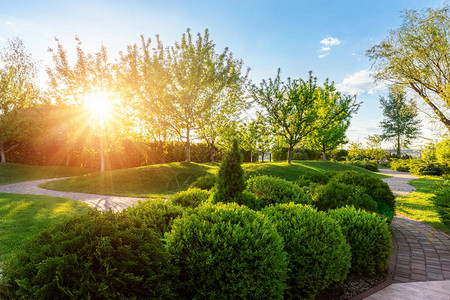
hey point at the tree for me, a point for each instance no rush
(401, 124)
(17, 91)
(197, 76)
(334, 112)
(416, 55)
(374, 150)
(294, 109)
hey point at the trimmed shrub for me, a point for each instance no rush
(157, 214)
(230, 182)
(227, 251)
(191, 198)
(93, 256)
(369, 238)
(205, 182)
(319, 256)
(376, 188)
(442, 202)
(317, 177)
(334, 195)
(272, 190)
(368, 165)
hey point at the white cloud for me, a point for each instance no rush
(359, 83)
(330, 41)
(323, 55)
(325, 48)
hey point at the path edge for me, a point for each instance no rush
(389, 278)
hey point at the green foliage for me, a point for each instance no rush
(279, 153)
(400, 165)
(318, 254)
(334, 195)
(443, 152)
(317, 177)
(442, 203)
(192, 198)
(417, 167)
(368, 165)
(206, 182)
(376, 188)
(158, 214)
(401, 124)
(93, 256)
(230, 182)
(299, 154)
(227, 251)
(369, 238)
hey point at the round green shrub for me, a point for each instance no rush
(375, 187)
(318, 254)
(334, 195)
(205, 182)
(369, 238)
(227, 251)
(93, 256)
(192, 198)
(317, 177)
(157, 214)
(272, 190)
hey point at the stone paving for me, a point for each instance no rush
(101, 202)
(398, 183)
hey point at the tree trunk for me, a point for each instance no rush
(211, 151)
(262, 157)
(188, 146)
(161, 151)
(398, 145)
(251, 156)
(102, 155)
(324, 156)
(2, 153)
(67, 160)
(291, 147)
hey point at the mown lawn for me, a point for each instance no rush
(167, 179)
(12, 173)
(23, 216)
(418, 205)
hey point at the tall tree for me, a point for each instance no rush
(401, 124)
(17, 91)
(197, 75)
(417, 55)
(295, 108)
(334, 111)
(374, 150)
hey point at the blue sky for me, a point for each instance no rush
(328, 37)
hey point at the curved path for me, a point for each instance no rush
(423, 253)
(101, 202)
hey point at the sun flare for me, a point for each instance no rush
(98, 105)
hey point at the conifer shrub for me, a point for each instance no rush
(375, 187)
(192, 198)
(205, 182)
(93, 256)
(369, 238)
(318, 255)
(230, 182)
(157, 214)
(334, 195)
(272, 190)
(227, 251)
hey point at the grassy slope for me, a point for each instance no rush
(11, 173)
(167, 179)
(418, 205)
(23, 216)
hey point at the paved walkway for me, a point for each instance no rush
(101, 202)
(422, 269)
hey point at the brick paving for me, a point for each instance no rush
(423, 253)
(101, 202)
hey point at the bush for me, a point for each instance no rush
(230, 182)
(442, 202)
(316, 177)
(191, 198)
(299, 154)
(227, 251)
(340, 155)
(368, 165)
(93, 256)
(334, 195)
(279, 153)
(369, 238)
(272, 190)
(431, 169)
(205, 182)
(318, 254)
(374, 187)
(157, 214)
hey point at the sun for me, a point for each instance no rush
(99, 105)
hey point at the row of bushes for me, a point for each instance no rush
(213, 251)
(418, 167)
(371, 165)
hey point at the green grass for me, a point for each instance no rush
(167, 179)
(23, 216)
(12, 173)
(418, 205)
